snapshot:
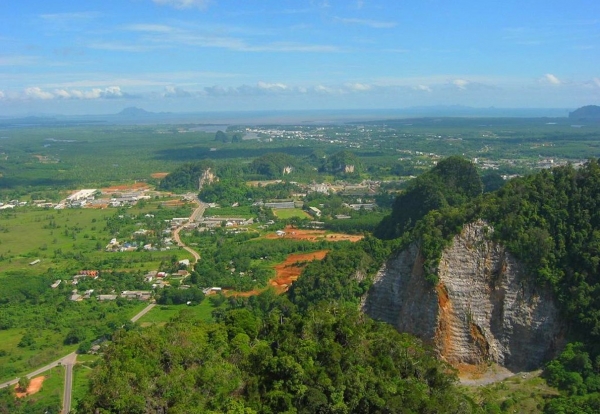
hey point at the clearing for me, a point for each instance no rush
(35, 385)
(288, 213)
(125, 187)
(159, 175)
(286, 272)
(314, 235)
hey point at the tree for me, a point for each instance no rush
(23, 384)
(221, 137)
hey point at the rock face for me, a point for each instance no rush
(207, 177)
(484, 308)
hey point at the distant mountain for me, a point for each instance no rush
(588, 112)
(132, 111)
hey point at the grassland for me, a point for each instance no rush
(160, 315)
(49, 397)
(65, 239)
(17, 361)
(289, 213)
(81, 375)
(523, 393)
(242, 211)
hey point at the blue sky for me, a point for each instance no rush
(93, 56)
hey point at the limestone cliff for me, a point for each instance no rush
(207, 177)
(484, 308)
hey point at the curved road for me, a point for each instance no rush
(68, 361)
(198, 212)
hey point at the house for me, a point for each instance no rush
(280, 204)
(55, 284)
(280, 233)
(34, 262)
(315, 211)
(107, 297)
(136, 294)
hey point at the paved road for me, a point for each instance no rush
(61, 361)
(198, 212)
(68, 361)
(142, 312)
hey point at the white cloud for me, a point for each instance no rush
(322, 89)
(62, 17)
(2, 95)
(175, 92)
(119, 47)
(551, 79)
(423, 88)
(597, 81)
(110, 92)
(184, 4)
(460, 83)
(359, 87)
(272, 86)
(375, 24)
(154, 28)
(37, 93)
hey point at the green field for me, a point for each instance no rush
(288, 213)
(64, 239)
(49, 397)
(242, 211)
(524, 393)
(81, 376)
(17, 361)
(162, 314)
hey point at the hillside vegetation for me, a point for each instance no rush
(551, 222)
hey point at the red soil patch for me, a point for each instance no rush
(34, 386)
(314, 235)
(287, 272)
(159, 175)
(126, 187)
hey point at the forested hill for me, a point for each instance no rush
(551, 222)
(452, 182)
(586, 113)
(186, 177)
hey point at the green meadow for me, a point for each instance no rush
(289, 213)
(49, 397)
(67, 239)
(162, 314)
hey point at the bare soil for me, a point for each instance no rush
(159, 175)
(126, 187)
(34, 386)
(475, 375)
(287, 272)
(292, 233)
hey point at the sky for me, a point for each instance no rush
(98, 57)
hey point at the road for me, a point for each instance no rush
(142, 312)
(62, 361)
(196, 214)
(68, 361)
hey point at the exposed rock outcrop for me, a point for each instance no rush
(484, 308)
(207, 177)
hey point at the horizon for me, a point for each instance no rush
(177, 56)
